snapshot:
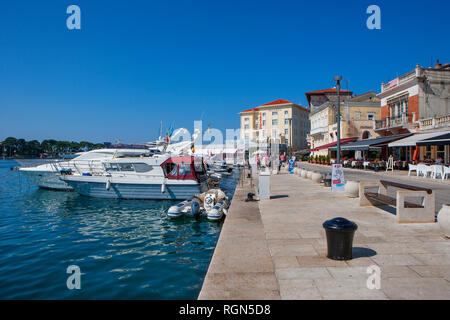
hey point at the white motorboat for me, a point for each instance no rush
(47, 175)
(157, 177)
(213, 204)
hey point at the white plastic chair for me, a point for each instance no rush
(427, 170)
(445, 172)
(437, 170)
(421, 169)
(412, 167)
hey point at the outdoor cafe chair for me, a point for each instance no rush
(412, 167)
(421, 169)
(427, 170)
(436, 170)
(446, 171)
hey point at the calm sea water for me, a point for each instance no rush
(126, 249)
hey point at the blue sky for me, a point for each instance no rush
(134, 63)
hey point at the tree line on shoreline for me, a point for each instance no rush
(12, 147)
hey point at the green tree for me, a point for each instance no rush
(10, 146)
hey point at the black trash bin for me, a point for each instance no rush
(340, 232)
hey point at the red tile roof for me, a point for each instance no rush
(249, 110)
(279, 101)
(273, 103)
(330, 90)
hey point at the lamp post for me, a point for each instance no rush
(290, 135)
(338, 80)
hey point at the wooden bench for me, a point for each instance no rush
(407, 212)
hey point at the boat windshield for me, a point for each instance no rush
(185, 169)
(127, 167)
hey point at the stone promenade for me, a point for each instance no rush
(276, 249)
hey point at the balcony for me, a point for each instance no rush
(318, 130)
(392, 122)
(433, 123)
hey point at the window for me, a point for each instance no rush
(170, 169)
(142, 167)
(264, 115)
(274, 122)
(111, 166)
(371, 115)
(286, 121)
(286, 132)
(274, 114)
(184, 169)
(246, 119)
(441, 152)
(246, 126)
(286, 113)
(126, 167)
(263, 123)
(428, 152)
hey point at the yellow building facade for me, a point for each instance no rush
(358, 116)
(279, 121)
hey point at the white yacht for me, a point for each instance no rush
(47, 175)
(157, 177)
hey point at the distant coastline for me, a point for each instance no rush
(12, 148)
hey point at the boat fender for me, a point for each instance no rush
(195, 207)
(163, 187)
(108, 184)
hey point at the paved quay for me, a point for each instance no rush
(241, 266)
(276, 249)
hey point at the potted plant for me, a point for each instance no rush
(328, 160)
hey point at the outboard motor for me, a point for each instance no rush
(209, 202)
(195, 207)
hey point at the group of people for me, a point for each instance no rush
(266, 161)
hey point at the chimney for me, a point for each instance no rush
(437, 65)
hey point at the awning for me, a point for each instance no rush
(371, 144)
(414, 139)
(326, 146)
(442, 139)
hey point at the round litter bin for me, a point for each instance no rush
(340, 232)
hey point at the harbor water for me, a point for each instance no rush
(125, 249)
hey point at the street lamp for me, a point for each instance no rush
(338, 80)
(290, 135)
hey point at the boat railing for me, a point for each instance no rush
(80, 166)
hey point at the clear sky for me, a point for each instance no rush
(134, 63)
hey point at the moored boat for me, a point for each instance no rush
(157, 177)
